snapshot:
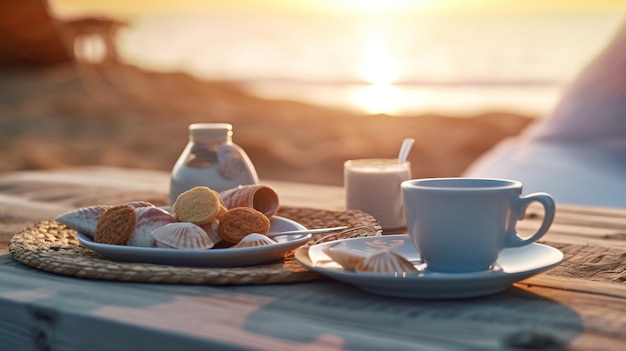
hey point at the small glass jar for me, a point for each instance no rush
(211, 159)
(373, 186)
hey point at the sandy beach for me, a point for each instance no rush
(67, 115)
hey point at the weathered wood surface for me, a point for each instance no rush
(580, 305)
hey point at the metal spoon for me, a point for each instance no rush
(307, 231)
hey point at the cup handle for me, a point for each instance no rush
(514, 240)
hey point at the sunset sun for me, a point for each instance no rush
(375, 6)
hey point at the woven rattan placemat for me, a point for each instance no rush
(53, 247)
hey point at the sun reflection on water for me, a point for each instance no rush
(380, 98)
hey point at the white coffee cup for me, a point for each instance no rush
(462, 224)
(373, 186)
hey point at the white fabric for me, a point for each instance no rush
(571, 173)
(578, 153)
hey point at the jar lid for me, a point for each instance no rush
(212, 131)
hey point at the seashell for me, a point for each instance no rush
(83, 220)
(211, 229)
(201, 156)
(182, 235)
(255, 239)
(138, 204)
(231, 161)
(260, 197)
(386, 262)
(347, 258)
(149, 218)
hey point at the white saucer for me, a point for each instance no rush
(512, 265)
(228, 257)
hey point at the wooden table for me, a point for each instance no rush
(580, 305)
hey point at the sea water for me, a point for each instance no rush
(447, 63)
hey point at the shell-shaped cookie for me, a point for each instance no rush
(148, 219)
(255, 239)
(347, 258)
(182, 235)
(211, 229)
(82, 220)
(386, 262)
(262, 198)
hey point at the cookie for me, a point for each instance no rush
(199, 205)
(223, 208)
(241, 221)
(115, 225)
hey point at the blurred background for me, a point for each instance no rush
(398, 57)
(306, 84)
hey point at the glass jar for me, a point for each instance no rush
(211, 159)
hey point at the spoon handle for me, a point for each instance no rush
(405, 149)
(307, 231)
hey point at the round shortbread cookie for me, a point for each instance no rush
(115, 225)
(241, 221)
(199, 205)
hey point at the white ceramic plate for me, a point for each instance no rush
(512, 265)
(209, 258)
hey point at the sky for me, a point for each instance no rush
(125, 8)
(376, 63)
